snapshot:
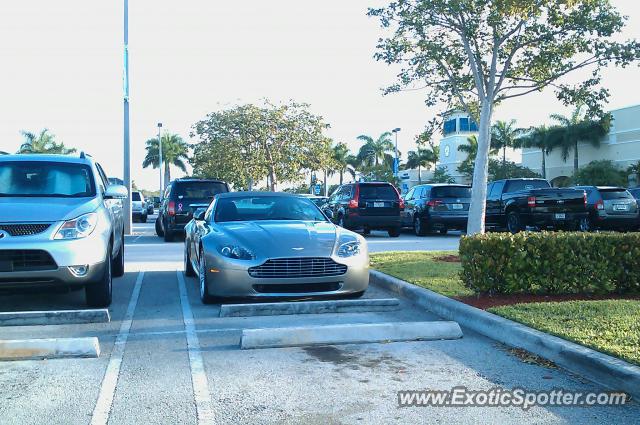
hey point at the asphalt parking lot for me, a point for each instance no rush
(167, 358)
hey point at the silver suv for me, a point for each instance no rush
(61, 224)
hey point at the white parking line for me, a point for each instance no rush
(198, 375)
(107, 390)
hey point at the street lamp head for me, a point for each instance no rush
(159, 125)
(395, 130)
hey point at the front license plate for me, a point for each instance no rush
(619, 207)
(456, 206)
(6, 266)
(378, 205)
(560, 216)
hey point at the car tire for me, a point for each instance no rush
(394, 232)
(188, 268)
(419, 227)
(159, 229)
(99, 294)
(584, 225)
(168, 234)
(117, 268)
(143, 218)
(203, 282)
(514, 224)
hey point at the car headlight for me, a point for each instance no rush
(349, 249)
(77, 228)
(236, 252)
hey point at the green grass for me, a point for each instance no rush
(421, 268)
(609, 326)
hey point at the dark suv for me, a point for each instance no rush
(436, 207)
(181, 198)
(612, 208)
(366, 206)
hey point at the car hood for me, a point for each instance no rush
(279, 239)
(24, 210)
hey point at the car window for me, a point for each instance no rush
(258, 208)
(496, 190)
(335, 195)
(46, 179)
(610, 194)
(135, 196)
(103, 176)
(518, 185)
(167, 191)
(409, 195)
(346, 193)
(451, 192)
(378, 191)
(198, 189)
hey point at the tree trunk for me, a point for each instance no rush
(544, 164)
(575, 158)
(273, 183)
(480, 172)
(326, 186)
(341, 173)
(504, 156)
(419, 174)
(167, 173)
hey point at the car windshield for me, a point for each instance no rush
(378, 191)
(46, 179)
(609, 194)
(256, 208)
(451, 192)
(199, 189)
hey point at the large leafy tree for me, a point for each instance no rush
(251, 143)
(483, 52)
(578, 128)
(43, 142)
(422, 158)
(600, 173)
(342, 161)
(174, 152)
(505, 135)
(376, 152)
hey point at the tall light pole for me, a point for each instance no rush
(396, 163)
(160, 158)
(127, 148)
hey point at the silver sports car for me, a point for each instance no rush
(262, 244)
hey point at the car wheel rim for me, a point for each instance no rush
(201, 276)
(513, 223)
(417, 226)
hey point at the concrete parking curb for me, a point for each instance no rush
(37, 349)
(55, 317)
(353, 333)
(598, 367)
(310, 307)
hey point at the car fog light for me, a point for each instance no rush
(79, 270)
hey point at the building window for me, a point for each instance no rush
(464, 124)
(473, 126)
(449, 126)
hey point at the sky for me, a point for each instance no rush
(61, 69)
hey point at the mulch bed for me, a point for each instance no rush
(486, 301)
(448, 259)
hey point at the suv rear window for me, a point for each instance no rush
(608, 194)
(451, 192)
(378, 191)
(198, 190)
(135, 196)
(518, 185)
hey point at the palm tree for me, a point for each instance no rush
(174, 152)
(44, 142)
(543, 138)
(634, 169)
(421, 158)
(375, 151)
(504, 135)
(342, 161)
(577, 129)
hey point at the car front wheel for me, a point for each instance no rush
(188, 267)
(99, 294)
(118, 262)
(203, 280)
(159, 229)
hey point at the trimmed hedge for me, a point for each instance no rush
(551, 263)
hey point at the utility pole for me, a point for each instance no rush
(127, 147)
(396, 163)
(160, 158)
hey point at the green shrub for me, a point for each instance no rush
(551, 263)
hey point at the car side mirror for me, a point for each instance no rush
(116, 191)
(199, 214)
(328, 213)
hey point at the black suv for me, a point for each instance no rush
(612, 208)
(181, 198)
(366, 206)
(436, 207)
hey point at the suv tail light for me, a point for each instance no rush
(531, 201)
(600, 204)
(353, 203)
(172, 208)
(433, 203)
(400, 200)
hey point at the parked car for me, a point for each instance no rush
(156, 202)
(181, 198)
(436, 207)
(366, 207)
(612, 208)
(61, 224)
(150, 210)
(264, 244)
(138, 207)
(516, 204)
(318, 200)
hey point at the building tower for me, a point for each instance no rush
(458, 126)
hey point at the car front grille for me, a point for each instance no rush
(297, 288)
(24, 229)
(297, 268)
(25, 260)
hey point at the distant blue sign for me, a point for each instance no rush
(395, 165)
(317, 189)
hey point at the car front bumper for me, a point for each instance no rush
(229, 279)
